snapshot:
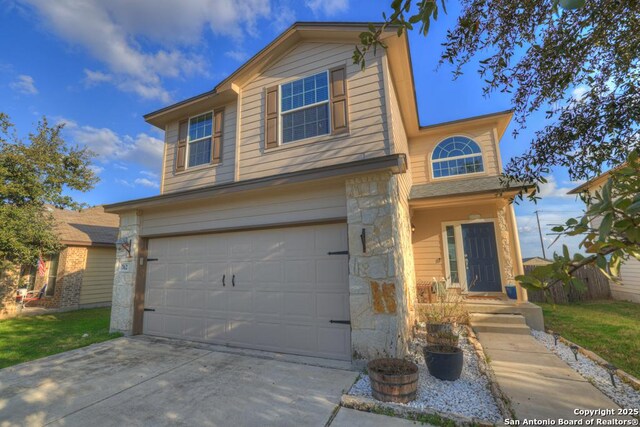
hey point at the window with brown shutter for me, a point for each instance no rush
(181, 146)
(271, 117)
(216, 150)
(339, 107)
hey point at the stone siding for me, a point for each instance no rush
(380, 283)
(122, 304)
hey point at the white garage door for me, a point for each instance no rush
(274, 289)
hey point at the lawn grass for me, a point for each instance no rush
(610, 329)
(28, 338)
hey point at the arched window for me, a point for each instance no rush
(457, 155)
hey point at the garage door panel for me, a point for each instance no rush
(286, 289)
(267, 303)
(299, 304)
(196, 298)
(196, 272)
(332, 306)
(215, 271)
(335, 341)
(154, 297)
(299, 273)
(267, 272)
(176, 274)
(215, 330)
(194, 327)
(216, 301)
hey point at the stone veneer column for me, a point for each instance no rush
(380, 278)
(125, 275)
(73, 261)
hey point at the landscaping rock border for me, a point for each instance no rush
(448, 400)
(623, 394)
(628, 378)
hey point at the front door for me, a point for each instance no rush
(481, 257)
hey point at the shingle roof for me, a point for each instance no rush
(485, 184)
(91, 226)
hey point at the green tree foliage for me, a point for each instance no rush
(610, 231)
(34, 174)
(577, 60)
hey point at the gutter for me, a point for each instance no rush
(396, 163)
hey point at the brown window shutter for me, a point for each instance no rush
(181, 148)
(216, 148)
(339, 111)
(271, 117)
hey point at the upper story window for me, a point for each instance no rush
(304, 106)
(457, 155)
(200, 139)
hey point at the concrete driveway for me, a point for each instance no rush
(144, 381)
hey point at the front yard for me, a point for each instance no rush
(610, 329)
(28, 338)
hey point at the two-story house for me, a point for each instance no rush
(301, 201)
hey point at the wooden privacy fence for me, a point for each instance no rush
(596, 287)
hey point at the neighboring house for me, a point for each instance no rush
(629, 289)
(301, 194)
(81, 275)
(535, 261)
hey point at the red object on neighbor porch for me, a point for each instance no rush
(31, 296)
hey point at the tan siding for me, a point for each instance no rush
(97, 280)
(293, 203)
(427, 238)
(202, 175)
(630, 275)
(367, 114)
(420, 149)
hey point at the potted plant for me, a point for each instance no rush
(443, 357)
(393, 380)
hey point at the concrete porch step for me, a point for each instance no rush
(502, 328)
(507, 319)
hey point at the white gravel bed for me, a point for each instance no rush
(469, 396)
(623, 394)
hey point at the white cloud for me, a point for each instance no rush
(24, 84)
(124, 182)
(237, 55)
(284, 17)
(108, 146)
(551, 189)
(149, 174)
(579, 92)
(327, 7)
(147, 182)
(113, 32)
(96, 169)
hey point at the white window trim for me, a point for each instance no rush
(281, 143)
(465, 156)
(189, 141)
(462, 269)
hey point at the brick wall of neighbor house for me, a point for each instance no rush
(9, 281)
(380, 280)
(70, 272)
(125, 275)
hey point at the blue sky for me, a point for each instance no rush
(100, 66)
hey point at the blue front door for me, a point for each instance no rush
(481, 257)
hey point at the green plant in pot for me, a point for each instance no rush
(446, 311)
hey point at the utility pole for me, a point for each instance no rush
(544, 255)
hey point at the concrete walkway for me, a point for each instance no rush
(539, 384)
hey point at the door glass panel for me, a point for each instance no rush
(453, 259)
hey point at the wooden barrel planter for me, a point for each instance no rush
(393, 380)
